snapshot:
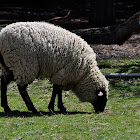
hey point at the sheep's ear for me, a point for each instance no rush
(100, 93)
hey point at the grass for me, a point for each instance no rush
(120, 65)
(121, 119)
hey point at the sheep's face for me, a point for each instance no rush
(100, 101)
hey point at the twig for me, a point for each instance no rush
(56, 18)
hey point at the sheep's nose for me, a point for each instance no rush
(98, 108)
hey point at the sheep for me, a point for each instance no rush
(29, 50)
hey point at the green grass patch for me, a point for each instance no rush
(126, 65)
(120, 120)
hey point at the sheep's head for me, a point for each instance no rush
(93, 88)
(94, 93)
(100, 101)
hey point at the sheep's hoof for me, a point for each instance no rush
(35, 111)
(7, 110)
(51, 109)
(63, 111)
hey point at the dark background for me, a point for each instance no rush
(84, 13)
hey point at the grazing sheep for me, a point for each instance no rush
(29, 50)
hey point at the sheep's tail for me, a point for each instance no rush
(1, 28)
(2, 61)
(1, 57)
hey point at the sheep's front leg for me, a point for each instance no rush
(56, 90)
(60, 102)
(52, 101)
(4, 102)
(26, 98)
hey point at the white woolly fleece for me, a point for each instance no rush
(34, 49)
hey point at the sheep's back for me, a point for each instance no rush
(33, 49)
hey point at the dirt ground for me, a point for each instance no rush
(131, 48)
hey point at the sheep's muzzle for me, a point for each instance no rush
(100, 103)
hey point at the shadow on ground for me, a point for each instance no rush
(41, 113)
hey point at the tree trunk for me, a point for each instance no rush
(117, 34)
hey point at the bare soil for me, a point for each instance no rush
(131, 48)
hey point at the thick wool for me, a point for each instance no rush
(34, 49)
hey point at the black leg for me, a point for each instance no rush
(51, 104)
(26, 98)
(56, 90)
(6, 78)
(4, 102)
(60, 102)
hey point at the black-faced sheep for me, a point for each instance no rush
(29, 50)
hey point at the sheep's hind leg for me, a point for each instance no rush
(4, 103)
(6, 78)
(26, 98)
